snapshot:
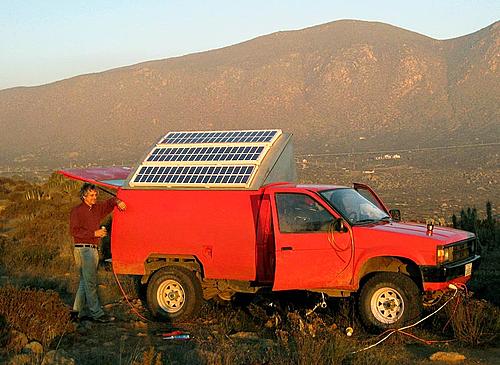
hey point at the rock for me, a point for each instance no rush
(245, 335)
(447, 356)
(57, 357)
(140, 324)
(17, 340)
(22, 359)
(34, 347)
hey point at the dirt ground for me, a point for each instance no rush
(237, 333)
(125, 340)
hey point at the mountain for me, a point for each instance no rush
(342, 86)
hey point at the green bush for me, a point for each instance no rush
(487, 230)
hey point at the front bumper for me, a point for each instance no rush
(438, 277)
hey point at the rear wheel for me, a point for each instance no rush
(174, 293)
(389, 300)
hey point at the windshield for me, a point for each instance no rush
(353, 207)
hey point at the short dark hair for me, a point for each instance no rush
(86, 187)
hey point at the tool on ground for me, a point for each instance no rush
(175, 335)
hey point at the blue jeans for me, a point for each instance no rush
(86, 300)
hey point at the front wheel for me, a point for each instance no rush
(389, 300)
(174, 293)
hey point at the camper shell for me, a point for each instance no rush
(213, 213)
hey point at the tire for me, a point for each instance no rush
(174, 294)
(389, 300)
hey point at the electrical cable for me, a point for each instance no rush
(126, 299)
(452, 315)
(337, 249)
(401, 330)
(134, 310)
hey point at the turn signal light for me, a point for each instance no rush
(444, 254)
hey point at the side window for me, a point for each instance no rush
(300, 213)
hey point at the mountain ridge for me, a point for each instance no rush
(340, 81)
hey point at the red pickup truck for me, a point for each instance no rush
(203, 223)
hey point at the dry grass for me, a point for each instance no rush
(4, 332)
(40, 315)
(474, 322)
(149, 357)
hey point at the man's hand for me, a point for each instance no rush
(101, 233)
(121, 205)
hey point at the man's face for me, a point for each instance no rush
(90, 198)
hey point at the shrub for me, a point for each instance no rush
(474, 322)
(487, 230)
(40, 315)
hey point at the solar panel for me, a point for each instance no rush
(205, 159)
(256, 136)
(206, 154)
(194, 175)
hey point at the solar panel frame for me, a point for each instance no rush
(205, 159)
(211, 137)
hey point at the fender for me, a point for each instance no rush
(155, 262)
(412, 258)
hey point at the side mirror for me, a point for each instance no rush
(339, 225)
(395, 214)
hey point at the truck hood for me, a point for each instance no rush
(443, 235)
(111, 177)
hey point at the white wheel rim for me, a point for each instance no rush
(170, 296)
(387, 305)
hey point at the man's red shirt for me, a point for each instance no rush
(85, 220)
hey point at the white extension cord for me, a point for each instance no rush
(451, 286)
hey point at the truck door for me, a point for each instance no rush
(309, 253)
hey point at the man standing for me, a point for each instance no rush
(85, 228)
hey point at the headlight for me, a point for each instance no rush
(444, 254)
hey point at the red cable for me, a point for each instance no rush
(126, 298)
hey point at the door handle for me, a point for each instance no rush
(287, 248)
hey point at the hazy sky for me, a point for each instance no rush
(44, 41)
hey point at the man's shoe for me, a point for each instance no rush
(73, 315)
(103, 319)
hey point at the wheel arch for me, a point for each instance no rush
(394, 264)
(155, 262)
